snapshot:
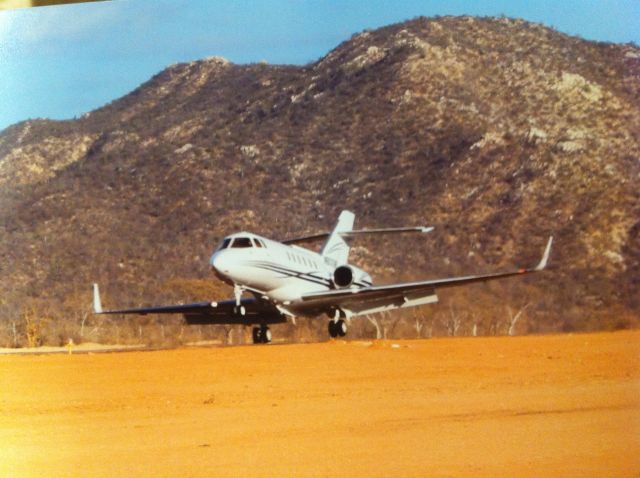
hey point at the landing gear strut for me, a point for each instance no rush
(337, 328)
(237, 292)
(261, 335)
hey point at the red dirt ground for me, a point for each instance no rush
(566, 405)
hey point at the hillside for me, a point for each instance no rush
(498, 132)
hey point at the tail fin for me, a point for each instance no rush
(336, 248)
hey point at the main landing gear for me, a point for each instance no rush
(337, 328)
(261, 335)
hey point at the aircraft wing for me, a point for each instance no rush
(379, 298)
(357, 232)
(222, 312)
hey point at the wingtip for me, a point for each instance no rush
(545, 256)
(424, 229)
(97, 305)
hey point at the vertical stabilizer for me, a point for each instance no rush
(336, 248)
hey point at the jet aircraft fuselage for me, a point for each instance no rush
(286, 280)
(283, 273)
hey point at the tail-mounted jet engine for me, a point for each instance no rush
(345, 276)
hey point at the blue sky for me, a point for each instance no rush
(59, 62)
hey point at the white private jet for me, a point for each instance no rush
(286, 281)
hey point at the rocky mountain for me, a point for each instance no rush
(498, 132)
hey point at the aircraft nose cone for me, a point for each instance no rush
(220, 263)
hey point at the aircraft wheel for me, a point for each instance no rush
(265, 335)
(333, 329)
(256, 335)
(341, 328)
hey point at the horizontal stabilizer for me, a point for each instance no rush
(358, 232)
(388, 230)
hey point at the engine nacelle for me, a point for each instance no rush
(345, 276)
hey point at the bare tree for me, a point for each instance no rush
(476, 321)
(84, 315)
(78, 306)
(513, 319)
(228, 334)
(454, 321)
(493, 327)
(423, 324)
(429, 333)
(94, 333)
(14, 333)
(375, 323)
(418, 324)
(389, 323)
(34, 324)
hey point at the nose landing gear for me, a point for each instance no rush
(237, 292)
(261, 335)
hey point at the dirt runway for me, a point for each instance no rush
(513, 406)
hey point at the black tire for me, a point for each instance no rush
(265, 335)
(333, 329)
(341, 328)
(256, 335)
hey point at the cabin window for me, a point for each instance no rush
(225, 243)
(241, 242)
(258, 242)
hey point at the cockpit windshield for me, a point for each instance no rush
(242, 242)
(239, 242)
(224, 244)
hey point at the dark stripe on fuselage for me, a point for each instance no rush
(292, 273)
(286, 269)
(299, 274)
